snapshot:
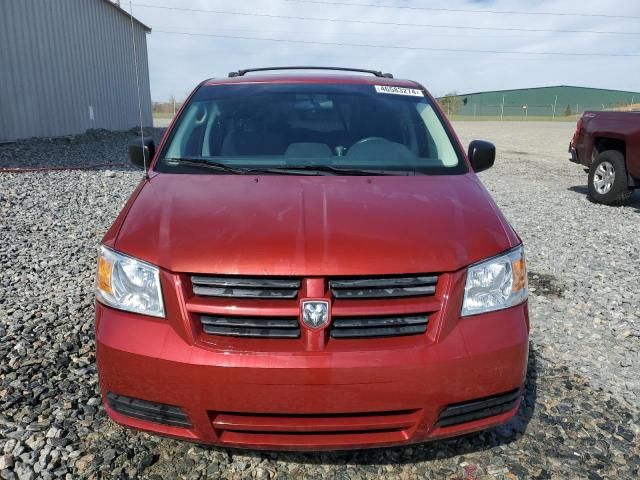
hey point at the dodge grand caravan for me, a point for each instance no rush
(311, 263)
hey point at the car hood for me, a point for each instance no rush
(313, 225)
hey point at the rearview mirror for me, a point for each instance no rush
(139, 155)
(481, 155)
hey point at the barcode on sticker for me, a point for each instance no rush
(412, 92)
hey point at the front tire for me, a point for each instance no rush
(608, 179)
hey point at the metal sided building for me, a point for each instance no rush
(559, 101)
(67, 66)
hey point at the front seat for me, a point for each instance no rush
(251, 137)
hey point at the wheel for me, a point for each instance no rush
(608, 179)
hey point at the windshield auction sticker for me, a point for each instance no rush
(412, 92)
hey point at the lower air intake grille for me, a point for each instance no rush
(363, 327)
(383, 287)
(149, 411)
(477, 409)
(257, 327)
(326, 429)
(245, 287)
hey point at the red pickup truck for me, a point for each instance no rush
(608, 144)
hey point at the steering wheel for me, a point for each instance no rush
(369, 140)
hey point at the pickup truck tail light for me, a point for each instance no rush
(577, 133)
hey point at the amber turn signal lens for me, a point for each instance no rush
(519, 274)
(104, 274)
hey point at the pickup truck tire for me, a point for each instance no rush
(608, 179)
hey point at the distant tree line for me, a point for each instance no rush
(168, 106)
(450, 103)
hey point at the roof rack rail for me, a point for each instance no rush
(377, 73)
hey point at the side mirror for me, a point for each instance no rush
(139, 155)
(481, 155)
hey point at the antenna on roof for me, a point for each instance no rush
(135, 61)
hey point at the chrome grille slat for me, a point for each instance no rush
(246, 282)
(378, 332)
(252, 332)
(378, 321)
(384, 282)
(245, 287)
(383, 287)
(383, 292)
(368, 327)
(249, 322)
(243, 292)
(253, 327)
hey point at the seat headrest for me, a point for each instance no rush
(308, 150)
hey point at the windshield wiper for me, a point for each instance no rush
(284, 170)
(221, 167)
(340, 171)
(210, 164)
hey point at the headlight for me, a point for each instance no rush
(497, 283)
(125, 283)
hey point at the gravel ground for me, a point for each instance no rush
(580, 418)
(96, 148)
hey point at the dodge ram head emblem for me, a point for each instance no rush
(315, 313)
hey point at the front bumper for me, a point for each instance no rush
(383, 393)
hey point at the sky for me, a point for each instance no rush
(450, 50)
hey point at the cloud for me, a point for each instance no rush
(179, 62)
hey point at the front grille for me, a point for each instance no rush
(257, 327)
(148, 411)
(367, 327)
(269, 307)
(245, 287)
(476, 409)
(313, 429)
(383, 287)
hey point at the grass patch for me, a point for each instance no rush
(518, 118)
(162, 114)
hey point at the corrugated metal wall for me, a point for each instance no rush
(541, 101)
(67, 66)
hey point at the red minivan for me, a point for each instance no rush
(311, 263)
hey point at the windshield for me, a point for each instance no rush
(331, 128)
